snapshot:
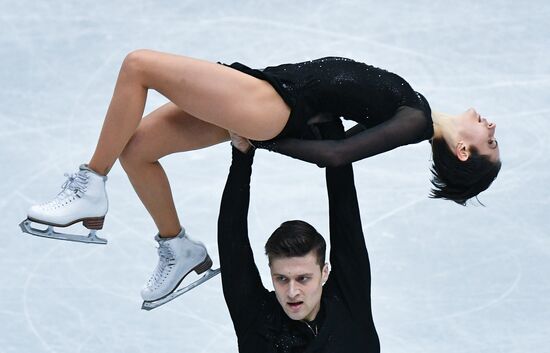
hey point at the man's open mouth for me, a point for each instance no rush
(295, 305)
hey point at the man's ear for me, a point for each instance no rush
(325, 273)
(461, 151)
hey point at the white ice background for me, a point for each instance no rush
(445, 278)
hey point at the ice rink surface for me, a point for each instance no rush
(445, 278)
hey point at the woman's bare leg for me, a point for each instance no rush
(209, 92)
(121, 121)
(166, 130)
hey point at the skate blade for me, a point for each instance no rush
(150, 305)
(92, 238)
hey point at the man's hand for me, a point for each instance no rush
(239, 142)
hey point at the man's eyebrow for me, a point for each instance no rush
(297, 275)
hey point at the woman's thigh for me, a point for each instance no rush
(168, 130)
(214, 93)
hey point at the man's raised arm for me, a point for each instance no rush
(242, 285)
(350, 267)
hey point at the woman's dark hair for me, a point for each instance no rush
(458, 180)
(295, 238)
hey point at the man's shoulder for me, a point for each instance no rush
(269, 308)
(269, 319)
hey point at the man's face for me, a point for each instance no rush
(298, 283)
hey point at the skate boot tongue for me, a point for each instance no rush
(76, 183)
(86, 168)
(167, 257)
(160, 239)
(166, 260)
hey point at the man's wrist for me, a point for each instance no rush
(239, 155)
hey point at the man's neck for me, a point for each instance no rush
(313, 314)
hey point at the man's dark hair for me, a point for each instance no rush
(458, 180)
(293, 239)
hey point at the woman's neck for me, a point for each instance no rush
(443, 125)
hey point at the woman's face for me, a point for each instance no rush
(475, 130)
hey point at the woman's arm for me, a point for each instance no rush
(355, 130)
(407, 126)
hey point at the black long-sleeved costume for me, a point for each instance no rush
(260, 323)
(388, 111)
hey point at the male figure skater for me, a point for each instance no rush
(308, 312)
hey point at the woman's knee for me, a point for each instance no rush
(134, 153)
(135, 63)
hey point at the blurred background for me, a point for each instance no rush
(445, 278)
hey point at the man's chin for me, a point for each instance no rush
(295, 316)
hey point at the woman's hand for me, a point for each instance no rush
(239, 142)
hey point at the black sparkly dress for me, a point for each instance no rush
(388, 111)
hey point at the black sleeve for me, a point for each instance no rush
(350, 267)
(407, 126)
(355, 130)
(242, 285)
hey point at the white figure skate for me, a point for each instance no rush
(82, 199)
(178, 256)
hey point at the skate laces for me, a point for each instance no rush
(75, 185)
(76, 182)
(166, 262)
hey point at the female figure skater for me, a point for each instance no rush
(276, 108)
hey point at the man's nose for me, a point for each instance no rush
(293, 290)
